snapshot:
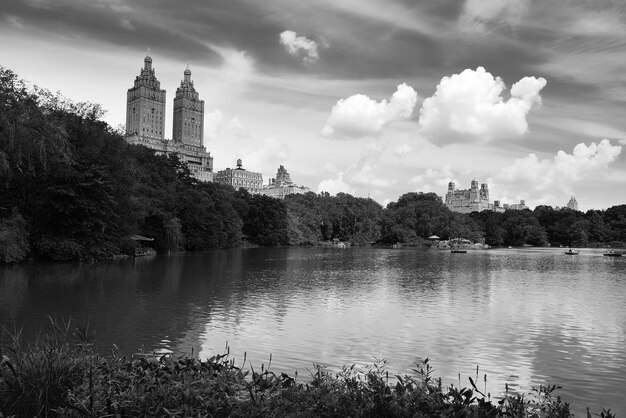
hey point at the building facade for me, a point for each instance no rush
(281, 185)
(572, 204)
(468, 200)
(516, 206)
(476, 199)
(240, 178)
(145, 121)
(145, 106)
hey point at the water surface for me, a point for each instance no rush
(526, 317)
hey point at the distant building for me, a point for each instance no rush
(240, 178)
(476, 199)
(516, 206)
(572, 204)
(145, 121)
(468, 200)
(282, 185)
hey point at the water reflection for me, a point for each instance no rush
(526, 317)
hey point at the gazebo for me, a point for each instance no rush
(138, 246)
(433, 240)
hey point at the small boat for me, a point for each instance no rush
(611, 253)
(571, 252)
(457, 251)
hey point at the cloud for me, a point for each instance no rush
(401, 151)
(359, 116)
(296, 44)
(216, 128)
(334, 186)
(366, 171)
(235, 73)
(586, 161)
(268, 156)
(440, 178)
(126, 24)
(481, 15)
(469, 107)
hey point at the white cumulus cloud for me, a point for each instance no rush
(469, 107)
(299, 44)
(564, 169)
(266, 157)
(401, 151)
(334, 186)
(216, 128)
(433, 180)
(360, 116)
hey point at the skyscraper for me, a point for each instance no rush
(145, 120)
(188, 113)
(145, 106)
(572, 204)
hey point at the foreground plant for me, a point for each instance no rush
(60, 375)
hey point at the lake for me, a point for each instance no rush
(524, 316)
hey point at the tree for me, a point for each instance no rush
(13, 238)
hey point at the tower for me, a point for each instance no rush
(450, 194)
(474, 194)
(188, 126)
(145, 106)
(572, 204)
(484, 192)
(282, 177)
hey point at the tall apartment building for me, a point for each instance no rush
(145, 121)
(145, 106)
(188, 114)
(281, 185)
(468, 200)
(476, 200)
(572, 204)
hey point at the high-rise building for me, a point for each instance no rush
(145, 121)
(282, 185)
(188, 114)
(572, 204)
(145, 106)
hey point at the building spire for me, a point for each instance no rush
(187, 74)
(147, 61)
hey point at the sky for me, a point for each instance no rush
(375, 98)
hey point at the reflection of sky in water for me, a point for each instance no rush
(525, 317)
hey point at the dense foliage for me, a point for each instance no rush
(61, 375)
(71, 188)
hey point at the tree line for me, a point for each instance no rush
(71, 188)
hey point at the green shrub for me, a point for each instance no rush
(13, 238)
(59, 249)
(36, 379)
(59, 377)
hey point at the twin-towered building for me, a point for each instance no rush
(145, 125)
(145, 120)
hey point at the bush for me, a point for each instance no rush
(59, 249)
(36, 379)
(60, 375)
(13, 238)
